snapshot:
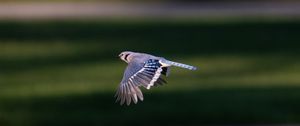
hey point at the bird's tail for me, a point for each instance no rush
(180, 65)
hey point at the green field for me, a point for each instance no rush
(66, 73)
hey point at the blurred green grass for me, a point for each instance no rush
(65, 73)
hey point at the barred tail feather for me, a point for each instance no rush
(181, 65)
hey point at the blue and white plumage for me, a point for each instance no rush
(142, 70)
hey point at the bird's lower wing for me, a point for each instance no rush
(147, 76)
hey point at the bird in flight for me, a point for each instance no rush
(143, 70)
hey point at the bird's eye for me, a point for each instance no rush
(121, 55)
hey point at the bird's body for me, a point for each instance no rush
(142, 70)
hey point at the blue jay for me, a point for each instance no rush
(143, 70)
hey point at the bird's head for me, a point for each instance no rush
(126, 56)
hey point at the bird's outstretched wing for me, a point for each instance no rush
(135, 75)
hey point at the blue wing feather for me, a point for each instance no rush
(136, 75)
